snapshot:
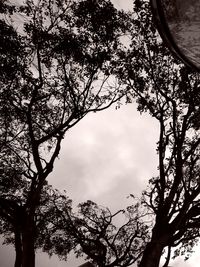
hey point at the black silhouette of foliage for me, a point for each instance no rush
(66, 59)
(170, 92)
(57, 65)
(107, 239)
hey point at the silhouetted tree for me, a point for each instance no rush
(170, 92)
(63, 66)
(57, 62)
(107, 239)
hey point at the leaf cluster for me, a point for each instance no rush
(98, 234)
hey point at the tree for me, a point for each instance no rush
(57, 65)
(68, 53)
(107, 239)
(170, 92)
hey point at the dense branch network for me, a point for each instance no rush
(57, 62)
(170, 92)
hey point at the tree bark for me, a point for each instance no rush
(18, 248)
(152, 254)
(28, 243)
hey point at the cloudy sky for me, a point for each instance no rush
(105, 157)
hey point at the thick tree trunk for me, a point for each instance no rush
(28, 258)
(24, 248)
(28, 243)
(152, 254)
(18, 248)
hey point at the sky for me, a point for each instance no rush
(105, 157)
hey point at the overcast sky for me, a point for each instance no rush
(105, 157)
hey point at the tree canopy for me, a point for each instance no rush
(169, 91)
(61, 60)
(57, 62)
(107, 239)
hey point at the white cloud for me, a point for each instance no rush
(106, 149)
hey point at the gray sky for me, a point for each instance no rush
(105, 157)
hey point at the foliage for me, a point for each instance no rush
(170, 92)
(57, 62)
(66, 59)
(63, 71)
(105, 238)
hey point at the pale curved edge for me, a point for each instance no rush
(164, 32)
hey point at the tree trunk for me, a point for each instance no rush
(152, 254)
(28, 243)
(18, 248)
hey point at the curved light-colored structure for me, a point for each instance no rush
(178, 23)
